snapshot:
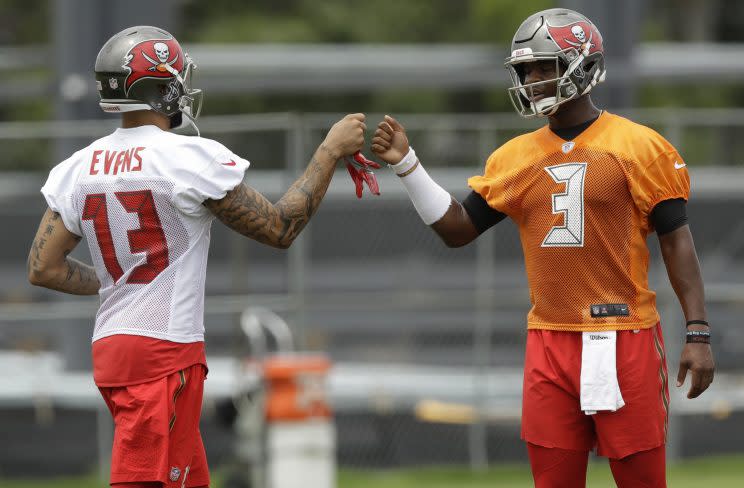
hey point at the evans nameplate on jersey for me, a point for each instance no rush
(610, 310)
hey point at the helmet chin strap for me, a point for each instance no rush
(188, 121)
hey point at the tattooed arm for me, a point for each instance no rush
(49, 264)
(247, 211)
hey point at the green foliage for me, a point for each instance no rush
(336, 103)
(690, 95)
(26, 155)
(721, 471)
(381, 21)
(376, 22)
(497, 21)
(24, 21)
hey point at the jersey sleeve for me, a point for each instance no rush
(59, 192)
(663, 178)
(492, 184)
(221, 171)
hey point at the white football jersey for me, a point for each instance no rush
(136, 195)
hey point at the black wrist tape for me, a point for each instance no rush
(698, 336)
(697, 322)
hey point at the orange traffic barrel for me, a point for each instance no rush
(296, 387)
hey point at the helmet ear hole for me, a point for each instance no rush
(519, 69)
(588, 66)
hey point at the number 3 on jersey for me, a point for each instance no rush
(148, 238)
(570, 203)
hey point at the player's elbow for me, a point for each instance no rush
(40, 276)
(277, 240)
(42, 272)
(34, 278)
(455, 228)
(281, 240)
(453, 243)
(452, 239)
(283, 244)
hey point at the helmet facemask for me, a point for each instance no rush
(189, 99)
(522, 94)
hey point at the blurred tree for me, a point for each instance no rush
(24, 22)
(381, 21)
(343, 21)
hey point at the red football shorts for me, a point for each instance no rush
(156, 436)
(551, 411)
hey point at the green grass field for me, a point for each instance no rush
(712, 472)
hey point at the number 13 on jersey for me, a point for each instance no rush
(570, 203)
(149, 238)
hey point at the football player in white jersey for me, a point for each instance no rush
(145, 199)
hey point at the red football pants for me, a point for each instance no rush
(551, 410)
(156, 435)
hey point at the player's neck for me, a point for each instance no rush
(139, 118)
(574, 113)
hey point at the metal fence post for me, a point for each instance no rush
(671, 319)
(673, 130)
(105, 439)
(484, 285)
(297, 258)
(482, 348)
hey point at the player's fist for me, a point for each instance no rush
(390, 142)
(346, 136)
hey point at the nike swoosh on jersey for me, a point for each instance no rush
(231, 163)
(678, 166)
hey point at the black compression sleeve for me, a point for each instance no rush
(483, 216)
(669, 215)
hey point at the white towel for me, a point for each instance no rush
(599, 387)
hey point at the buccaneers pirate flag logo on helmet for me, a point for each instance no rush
(580, 35)
(155, 58)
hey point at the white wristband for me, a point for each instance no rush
(431, 200)
(406, 165)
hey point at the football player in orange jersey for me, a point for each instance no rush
(585, 190)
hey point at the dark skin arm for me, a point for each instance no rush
(680, 258)
(248, 212)
(50, 266)
(455, 227)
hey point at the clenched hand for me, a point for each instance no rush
(346, 136)
(390, 142)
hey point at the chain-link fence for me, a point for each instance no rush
(427, 341)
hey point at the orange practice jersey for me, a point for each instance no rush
(583, 208)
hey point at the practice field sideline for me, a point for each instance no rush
(719, 472)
